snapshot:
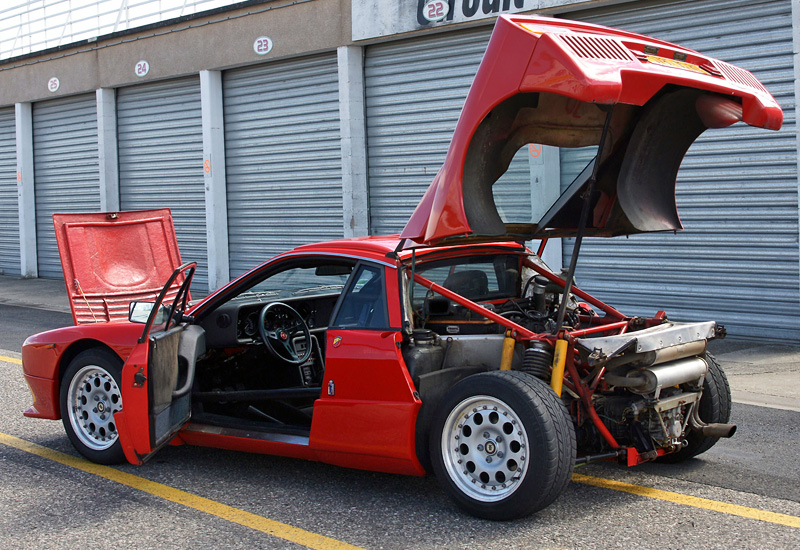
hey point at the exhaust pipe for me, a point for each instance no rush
(717, 430)
(710, 430)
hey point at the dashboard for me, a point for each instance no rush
(235, 323)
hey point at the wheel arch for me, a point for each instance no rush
(78, 347)
(432, 389)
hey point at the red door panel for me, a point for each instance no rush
(366, 415)
(132, 421)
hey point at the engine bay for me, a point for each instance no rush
(631, 382)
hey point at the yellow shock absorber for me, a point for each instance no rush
(559, 360)
(508, 351)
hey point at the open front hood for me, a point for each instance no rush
(112, 259)
(555, 82)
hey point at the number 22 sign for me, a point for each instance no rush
(435, 10)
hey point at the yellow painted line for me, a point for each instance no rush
(10, 360)
(229, 513)
(697, 502)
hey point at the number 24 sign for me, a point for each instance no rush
(142, 68)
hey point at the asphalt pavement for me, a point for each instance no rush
(743, 493)
(766, 374)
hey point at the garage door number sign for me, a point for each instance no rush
(53, 84)
(142, 68)
(262, 45)
(435, 10)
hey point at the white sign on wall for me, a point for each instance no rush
(142, 68)
(376, 18)
(262, 45)
(53, 84)
(435, 10)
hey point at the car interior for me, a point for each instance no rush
(265, 357)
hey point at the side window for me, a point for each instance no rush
(477, 278)
(364, 304)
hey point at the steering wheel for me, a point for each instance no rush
(278, 324)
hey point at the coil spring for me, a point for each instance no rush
(538, 360)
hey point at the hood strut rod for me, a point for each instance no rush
(587, 199)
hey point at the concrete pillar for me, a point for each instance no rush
(354, 141)
(107, 149)
(545, 166)
(214, 179)
(25, 192)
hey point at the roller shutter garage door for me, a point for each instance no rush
(737, 259)
(415, 90)
(65, 168)
(160, 142)
(283, 157)
(9, 211)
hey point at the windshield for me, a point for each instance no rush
(306, 280)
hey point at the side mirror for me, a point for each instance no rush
(139, 312)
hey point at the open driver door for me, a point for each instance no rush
(157, 378)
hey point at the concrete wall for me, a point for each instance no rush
(223, 40)
(214, 42)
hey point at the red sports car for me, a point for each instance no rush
(450, 348)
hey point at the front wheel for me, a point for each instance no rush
(90, 396)
(502, 445)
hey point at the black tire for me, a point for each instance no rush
(714, 407)
(502, 445)
(89, 396)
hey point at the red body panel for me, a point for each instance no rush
(369, 420)
(42, 358)
(581, 62)
(112, 259)
(393, 305)
(45, 398)
(134, 432)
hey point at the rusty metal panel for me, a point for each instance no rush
(9, 210)
(737, 260)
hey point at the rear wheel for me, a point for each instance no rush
(714, 407)
(90, 396)
(502, 445)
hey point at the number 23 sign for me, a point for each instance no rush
(262, 45)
